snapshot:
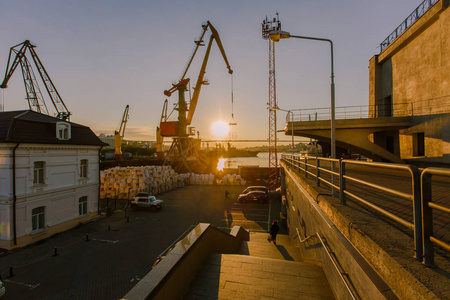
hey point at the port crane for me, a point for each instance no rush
(118, 135)
(183, 147)
(34, 96)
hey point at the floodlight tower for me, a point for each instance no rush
(267, 26)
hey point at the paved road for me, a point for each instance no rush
(113, 261)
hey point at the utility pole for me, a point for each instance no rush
(267, 26)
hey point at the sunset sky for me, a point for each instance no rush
(103, 55)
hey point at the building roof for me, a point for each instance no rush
(26, 126)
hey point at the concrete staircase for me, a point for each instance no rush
(261, 270)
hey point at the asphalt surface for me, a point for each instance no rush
(120, 250)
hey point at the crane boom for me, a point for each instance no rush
(118, 135)
(200, 81)
(34, 96)
(178, 128)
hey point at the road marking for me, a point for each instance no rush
(245, 221)
(30, 286)
(106, 241)
(247, 215)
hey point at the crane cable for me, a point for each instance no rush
(232, 122)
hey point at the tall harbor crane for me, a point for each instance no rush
(118, 135)
(183, 146)
(34, 96)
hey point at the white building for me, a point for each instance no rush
(49, 176)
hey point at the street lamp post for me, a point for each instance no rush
(276, 36)
(289, 112)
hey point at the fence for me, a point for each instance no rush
(411, 19)
(417, 108)
(414, 193)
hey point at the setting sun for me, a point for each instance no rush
(219, 129)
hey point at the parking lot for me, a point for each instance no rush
(106, 258)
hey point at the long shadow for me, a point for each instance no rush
(284, 253)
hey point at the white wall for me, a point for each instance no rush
(60, 192)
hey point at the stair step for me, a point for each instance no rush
(231, 276)
(259, 246)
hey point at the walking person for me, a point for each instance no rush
(227, 195)
(274, 231)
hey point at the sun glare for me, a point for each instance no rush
(219, 129)
(221, 164)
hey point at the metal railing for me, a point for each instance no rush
(427, 213)
(411, 19)
(334, 261)
(419, 194)
(436, 105)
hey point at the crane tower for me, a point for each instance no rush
(267, 26)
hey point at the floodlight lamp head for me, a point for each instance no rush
(277, 35)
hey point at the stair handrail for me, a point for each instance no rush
(333, 260)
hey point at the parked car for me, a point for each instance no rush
(2, 287)
(145, 200)
(254, 193)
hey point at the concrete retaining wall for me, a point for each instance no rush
(171, 278)
(368, 266)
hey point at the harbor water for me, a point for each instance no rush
(261, 160)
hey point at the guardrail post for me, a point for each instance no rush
(427, 218)
(417, 206)
(306, 167)
(342, 182)
(317, 171)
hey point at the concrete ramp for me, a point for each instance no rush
(262, 271)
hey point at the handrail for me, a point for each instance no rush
(411, 19)
(333, 260)
(404, 109)
(427, 213)
(413, 196)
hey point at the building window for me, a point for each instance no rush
(38, 218)
(84, 168)
(38, 175)
(63, 131)
(82, 206)
(419, 144)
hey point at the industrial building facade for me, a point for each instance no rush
(49, 176)
(411, 78)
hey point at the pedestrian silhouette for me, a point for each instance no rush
(273, 232)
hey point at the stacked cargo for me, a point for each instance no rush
(197, 179)
(232, 180)
(126, 182)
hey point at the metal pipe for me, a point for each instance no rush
(317, 235)
(14, 193)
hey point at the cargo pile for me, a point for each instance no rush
(232, 180)
(197, 179)
(126, 182)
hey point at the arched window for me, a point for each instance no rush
(63, 131)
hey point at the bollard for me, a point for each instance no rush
(128, 219)
(87, 237)
(55, 253)
(11, 273)
(109, 227)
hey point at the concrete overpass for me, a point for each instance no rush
(352, 134)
